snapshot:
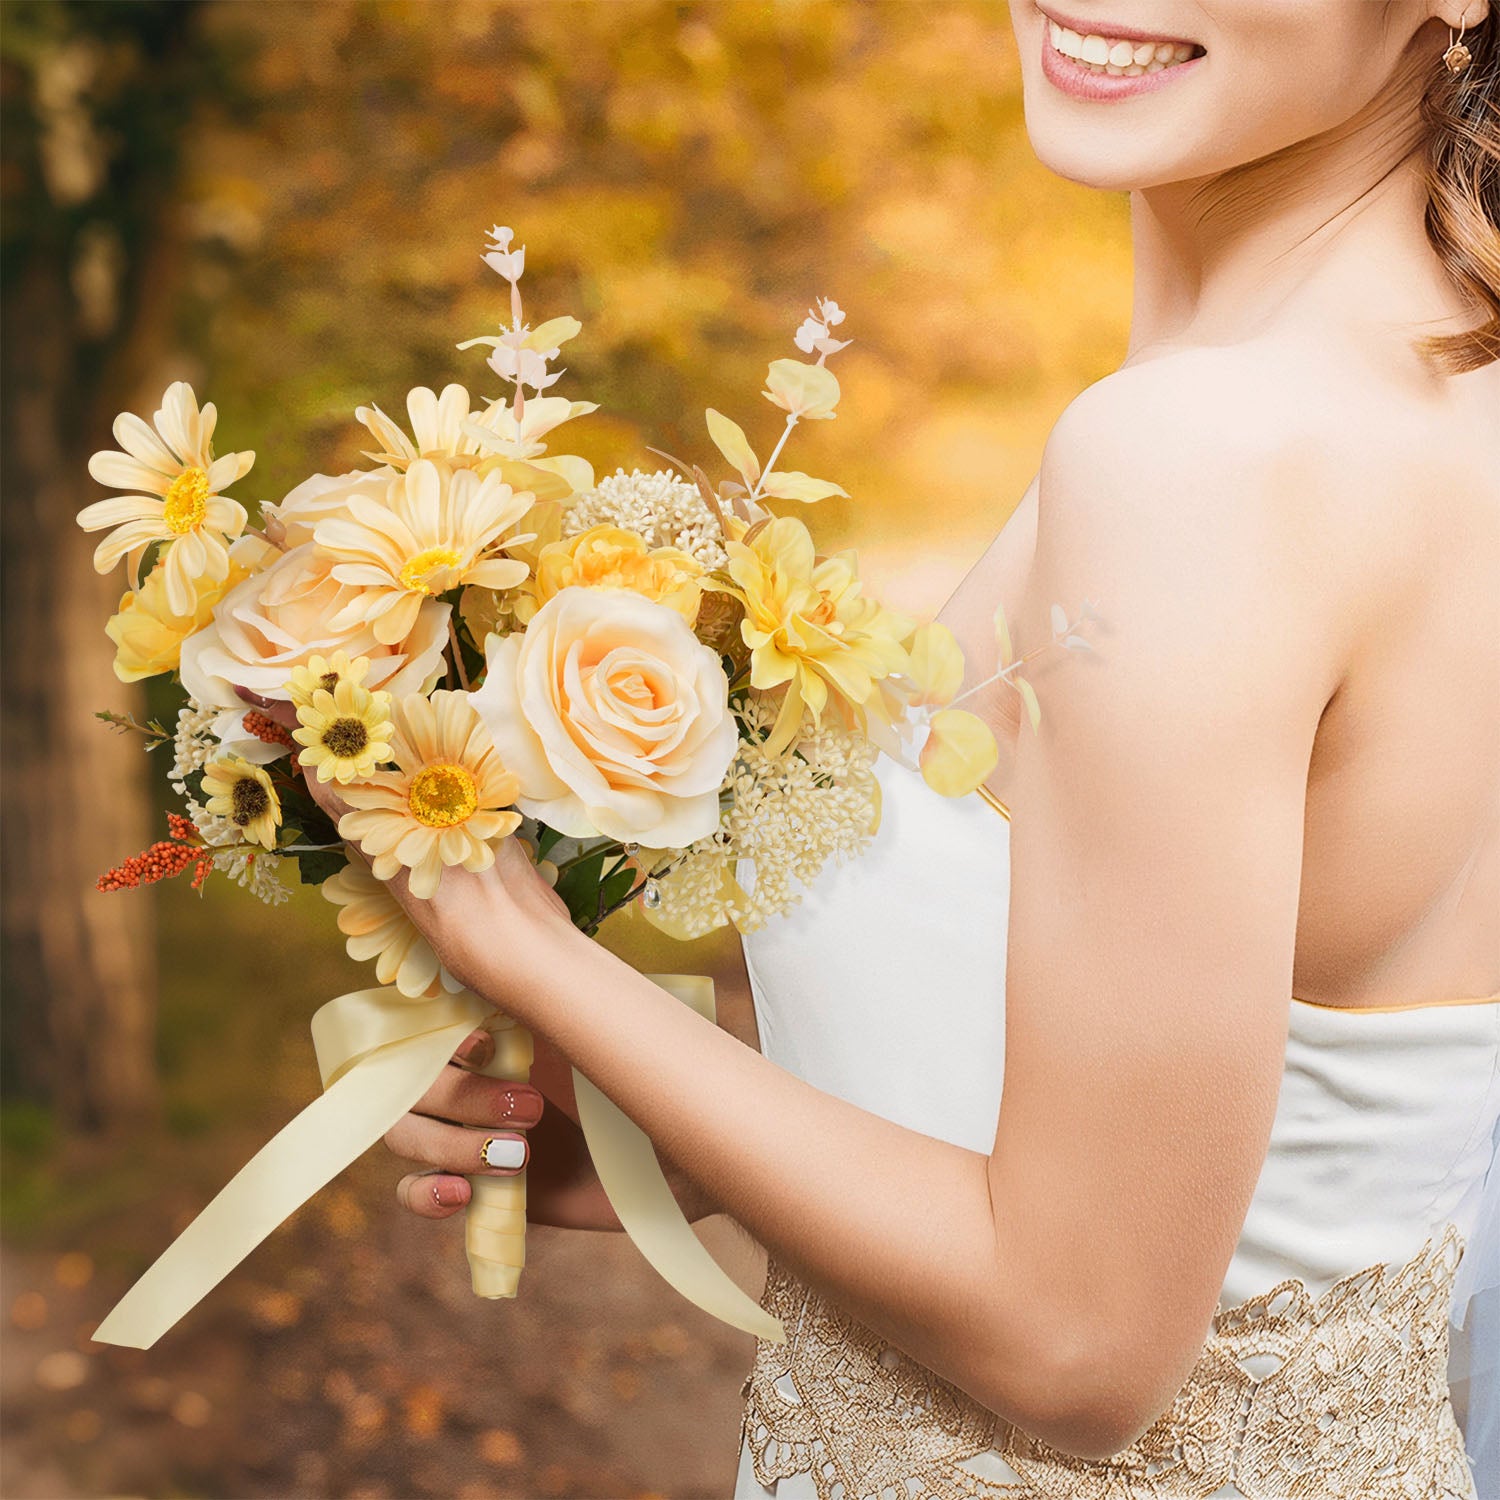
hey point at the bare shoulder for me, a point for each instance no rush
(1280, 464)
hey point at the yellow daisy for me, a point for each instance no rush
(243, 793)
(347, 732)
(182, 505)
(449, 802)
(324, 673)
(437, 529)
(376, 927)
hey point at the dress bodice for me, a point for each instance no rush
(886, 987)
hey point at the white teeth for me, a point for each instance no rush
(1114, 55)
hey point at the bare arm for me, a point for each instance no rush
(1066, 1279)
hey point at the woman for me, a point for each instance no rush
(1208, 1244)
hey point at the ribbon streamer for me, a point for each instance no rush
(378, 1053)
(632, 1180)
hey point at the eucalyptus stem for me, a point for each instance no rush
(786, 432)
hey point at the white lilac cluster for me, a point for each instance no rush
(193, 745)
(663, 508)
(786, 817)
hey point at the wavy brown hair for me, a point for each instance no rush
(1462, 115)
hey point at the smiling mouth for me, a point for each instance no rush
(1119, 57)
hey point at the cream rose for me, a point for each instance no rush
(614, 716)
(293, 521)
(280, 615)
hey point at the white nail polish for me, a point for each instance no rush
(504, 1153)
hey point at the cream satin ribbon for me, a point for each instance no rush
(378, 1053)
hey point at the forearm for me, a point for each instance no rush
(846, 1199)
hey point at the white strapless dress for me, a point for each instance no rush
(1326, 1372)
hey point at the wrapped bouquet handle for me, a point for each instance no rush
(495, 1220)
(378, 1053)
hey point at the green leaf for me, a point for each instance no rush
(314, 866)
(578, 885)
(546, 840)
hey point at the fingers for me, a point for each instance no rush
(466, 1098)
(458, 1148)
(432, 1195)
(476, 1049)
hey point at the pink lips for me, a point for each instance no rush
(1083, 82)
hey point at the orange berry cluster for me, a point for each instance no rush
(164, 859)
(264, 727)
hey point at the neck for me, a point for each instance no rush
(1339, 215)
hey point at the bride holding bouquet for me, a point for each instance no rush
(1124, 1122)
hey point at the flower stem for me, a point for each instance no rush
(786, 432)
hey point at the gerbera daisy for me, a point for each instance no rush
(347, 732)
(243, 793)
(378, 928)
(182, 505)
(436, 530)
(448, 804)
(437, 424)
(324, 673)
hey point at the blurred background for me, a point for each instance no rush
(284, 204)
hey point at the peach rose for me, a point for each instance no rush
(614, 716)
(280, 615)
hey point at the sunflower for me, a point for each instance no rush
(449, 803)
(376, 927)
(346, 732)
(436, 529)
(182, 507)
(243, 793)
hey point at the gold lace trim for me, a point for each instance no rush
(1338, 1397)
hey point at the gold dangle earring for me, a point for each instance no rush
(1457, 57)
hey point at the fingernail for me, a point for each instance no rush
(505, 1153)
(449, 1194)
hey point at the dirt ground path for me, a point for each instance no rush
(348, 1358)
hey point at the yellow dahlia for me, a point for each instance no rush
(437, 529)
(346, 733)
(148, 634)
(376, 927)
(610, 557)
(182, 505)
(324, 673)
(243, 793)
(808, 626)
(447, 804)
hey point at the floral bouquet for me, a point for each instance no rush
(655, 681)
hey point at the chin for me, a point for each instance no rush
(1130, 94)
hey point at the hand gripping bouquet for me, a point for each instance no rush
(656, 682)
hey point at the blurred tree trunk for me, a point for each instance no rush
(91, 126)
